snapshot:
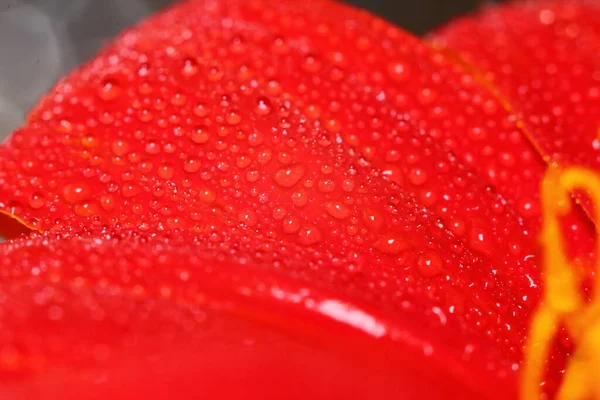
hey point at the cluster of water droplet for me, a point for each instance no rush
(352, 140)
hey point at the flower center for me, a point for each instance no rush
(563, 304)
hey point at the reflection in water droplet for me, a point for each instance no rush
(309, 235)
(391, 244)
(289, 176)
(338, 210)
(75, 193)
(109, 90)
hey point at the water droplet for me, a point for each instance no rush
(207, 196)
(373, 220)
(252, 175)
(280, 46)
(311, 63)
(37, 201)
(391, 244)
(291, 224)
(166, 171)
(145, 115)
(480, 240)
(201, 110)
(309, 235)
(190, 67)
(348, 185)
(107, 202)
(300, 198)
(429, 264)
(237, 45)
(248, 218)
(398, 71)
(130, 189)
(200, 136)
(86, 209)
(75, 193)
(457, 226)
(89, 142)
(263, 106)
(417, 176)
(192, 165)
(120, 147)
(326, 185)
(243, 161)
(393, 174)
(427, 96)
(256, 139)
(152, 148)
(109, 90)
(279, 213)
(233, 117)
(289, 176)
(338, 210)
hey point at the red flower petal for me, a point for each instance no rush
(123, 314)
(543, 57)
(203, 118)
(312, 127)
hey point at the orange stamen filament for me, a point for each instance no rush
(563, 303)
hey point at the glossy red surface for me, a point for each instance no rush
(292, 195)
(542, 56)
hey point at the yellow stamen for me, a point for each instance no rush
(563, 303)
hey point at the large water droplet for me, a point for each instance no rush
(200, 136)
(109, 90)
(309, 235)
(75, 193)
(289, 176)
(37, 201)
(391, 244)
(338, 210)
(207, 196)
(429, 264)
(263, 106)
(398, 71)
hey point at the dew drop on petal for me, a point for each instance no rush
(289, 176)
(338, 210)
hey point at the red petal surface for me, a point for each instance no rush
(309, 146)
(198, 120)
(102, 313)
(419, 117)
(543, 56)
(191, 109)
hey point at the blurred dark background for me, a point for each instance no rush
(42, 39)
